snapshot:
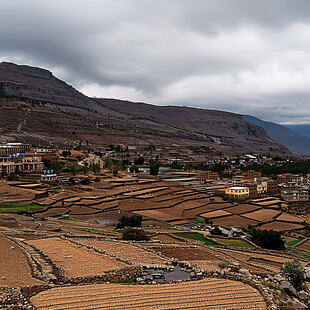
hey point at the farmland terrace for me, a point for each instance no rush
(70, 237)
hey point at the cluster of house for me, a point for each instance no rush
(251, 184)
(18, 157)
(21, 157)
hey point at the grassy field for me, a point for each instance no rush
(22, 207)
(300, 251)
(72, 220)
(291, 243)
(195, 236)
(197, 221)
(97, 231)
(234, 242)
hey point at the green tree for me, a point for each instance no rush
(139, 161)
(293, 271)
(133, 221)
(268, 239)
(154, 167)
(108, 163)
(73, 170)
(96, 168)
(134, 168)
(56, 165)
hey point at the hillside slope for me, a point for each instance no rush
(118, 121)
(295, 142)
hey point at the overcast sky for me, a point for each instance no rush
(245, 56)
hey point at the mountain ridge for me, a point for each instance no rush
(147, 123)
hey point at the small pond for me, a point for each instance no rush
(164, 276)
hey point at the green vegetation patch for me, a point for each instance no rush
(291, 243)
(22, 207)
(72, 220)
(235, 242)
(195, 236)
(193, 148)
(197, 221)
(97, 231)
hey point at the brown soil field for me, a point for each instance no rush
(145, 191)
(214, 214)
(124, 251)
(83, 218)
(179, 222)
(137, 204)
(186, 252)
(242, 208)
(155, 214)
(147, 223)
(82, 210)
(281, 226)
(290, 218)
(72, 199)
(220, 205)
(14, 268)
(8, 193)
(270, 202)
(235, 220)
(109, 216)
(206, 264)
(166, 238)
(305, 246)
(189, 214)
(208, 294)
(76, 261)
(52, 211)
(263, 215)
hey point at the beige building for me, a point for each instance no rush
(237, 192)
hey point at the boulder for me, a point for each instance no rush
(288, 287)
(279, 278)
(296, 304)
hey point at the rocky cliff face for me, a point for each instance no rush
(135, 122)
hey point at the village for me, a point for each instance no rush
(64, 217)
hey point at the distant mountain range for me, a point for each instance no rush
(294, 141)
(301, 129)
(38, 108)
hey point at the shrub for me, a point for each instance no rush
(268, 239)
(293, 271)
(136, 234)
(133, 221)
(216, 231)
(85, 181)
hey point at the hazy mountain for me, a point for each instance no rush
(301, 129)
(37, 105)
(294, 141)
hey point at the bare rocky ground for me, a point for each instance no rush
(62, 248)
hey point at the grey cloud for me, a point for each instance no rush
(239, 55)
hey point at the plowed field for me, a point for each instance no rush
(207, 294)
(77, 261)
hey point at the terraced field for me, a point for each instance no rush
(235, 220)
(210, 294)
(76, 261)
(263, 215)
(14, 268)
(124, 251)
(281, 226)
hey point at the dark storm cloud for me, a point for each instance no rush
(245, 56)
